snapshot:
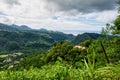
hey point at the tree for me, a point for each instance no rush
(12, 45)
(106, 31)
(116, 27)
(60, 49)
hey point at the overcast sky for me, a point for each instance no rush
(83, 15)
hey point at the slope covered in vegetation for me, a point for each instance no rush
(19, 38)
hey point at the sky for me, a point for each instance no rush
(69, 16)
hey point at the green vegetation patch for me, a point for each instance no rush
(3, 56)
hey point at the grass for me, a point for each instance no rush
(3, 56)
(61, 71)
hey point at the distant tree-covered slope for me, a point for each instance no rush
(10, 41)
(14, 38)
(56, 35)
(86, 36)
(6, 27)
(13, 27)
(22, 27)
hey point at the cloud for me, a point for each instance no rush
(1, 13)
(104, 16)
(12, 2)
(83, 6)
(58, 15)
(5, 19)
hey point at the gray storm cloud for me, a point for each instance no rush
(12, 2)
(83, 6)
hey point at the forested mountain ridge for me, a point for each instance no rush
(22, 27)
(15, 38)
(6, 27)
(24, 37)
(13, 27)
(86, 36)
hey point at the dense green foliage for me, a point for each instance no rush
(11, 41)
(63, 71)
(116, 27)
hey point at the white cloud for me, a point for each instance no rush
(34, 14)
(107, 16)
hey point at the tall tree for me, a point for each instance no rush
(116, 27)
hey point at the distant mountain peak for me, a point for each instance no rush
(86, 36)
(22, 27)
(42, 29)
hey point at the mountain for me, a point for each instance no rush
(23, 38)
(6, 27)
(22, 27)
(14, 37)
(13, 27)
(58, 36)
(86, 36)
(42, 29)
(11, 41)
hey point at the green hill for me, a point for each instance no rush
(86, 36)
(22, 38)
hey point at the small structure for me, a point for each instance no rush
(80, 47)
(7, 60)
(18, 54)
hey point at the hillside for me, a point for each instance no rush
(22, 27)
(23, 38)
(85, 36)
(13, 27)
(6, 27)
